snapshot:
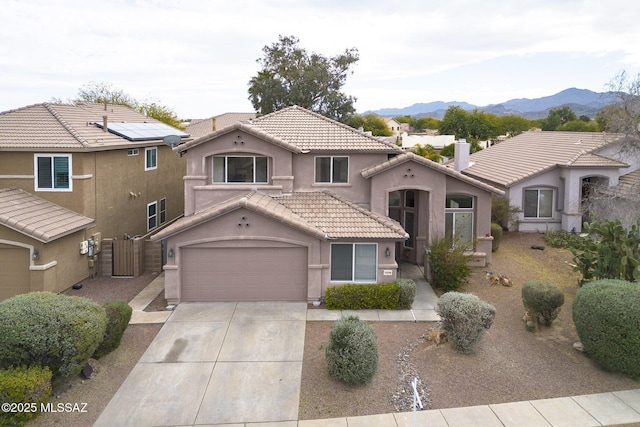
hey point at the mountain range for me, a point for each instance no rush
(581, 102)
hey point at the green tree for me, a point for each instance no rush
(369, 123)
(579, 126)
(454, 122)
(105, 93)
(557, 117)
(514, 125)
(427, 151)
(292, 76)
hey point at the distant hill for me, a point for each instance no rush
(581, 102)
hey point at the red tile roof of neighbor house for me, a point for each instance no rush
(38, 218)
(300, 130)
(531, 153)
(68, 127)
(319, 213)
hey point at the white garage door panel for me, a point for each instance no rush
(14, 272)
(244, 274)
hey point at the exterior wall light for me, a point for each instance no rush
(387, 252)
(170, 254)
(36, 254)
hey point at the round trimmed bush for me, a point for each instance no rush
(46, 329)
(542, 300)
(352, 352)
(407, 293)
(465, 317)
(606, 314)
(118, 316)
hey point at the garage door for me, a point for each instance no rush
(14, 271)
(244, 274)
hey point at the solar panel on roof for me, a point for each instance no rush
(142, 131)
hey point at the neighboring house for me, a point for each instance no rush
(73, 177)
(199, 128)
(393, 125)
(550, 176)
(285, 206)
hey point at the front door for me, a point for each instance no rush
(403, 207)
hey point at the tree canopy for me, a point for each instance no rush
(369, 123)
(292, 76)
(105, 93)
(623, 116)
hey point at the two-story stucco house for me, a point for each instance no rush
(291, 203)
(73, 177)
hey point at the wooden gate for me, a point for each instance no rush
(123, 258)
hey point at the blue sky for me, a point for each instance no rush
(197, 56)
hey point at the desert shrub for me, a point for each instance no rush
(465, 317)
(28, 386)
(502, 213)
(352, 352)
(353, 296)
(607, 250)
(562, 239)
(45, 329)
(448, 264)
(407, 293)
(606, 314)
(496, 232)
(542, 300)
(118, 316)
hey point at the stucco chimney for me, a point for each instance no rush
(461, 155)
(104, 124)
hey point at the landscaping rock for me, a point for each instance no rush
(91, 369)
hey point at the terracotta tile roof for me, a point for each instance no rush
(595, 160)
(531, 153)
(200, 128)
(628, 187)
(312, 131)
(38, 218)
(339, 218)
(409, 156)
(66, 127)
(321, 214)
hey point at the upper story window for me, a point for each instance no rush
(538, 203)
(53, 172)
(332, 169)
(150, 158)
(240, 169)
(152, 216)
(458, 225)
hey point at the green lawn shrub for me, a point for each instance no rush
(118, 316)
(25, 387)
(465, 318)
(606, 314)
(353, 296)
(407, 293)
(46, 329)
(496, 233)
(542, 300)
(449, 266)
(352, 352)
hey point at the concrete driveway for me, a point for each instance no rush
(216, 363)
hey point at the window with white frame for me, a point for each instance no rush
(163, 211)
(152, 216)
(240, 169)
(150, 158)
(538, 203)
(332, 169)
(458, 219)
(354, 262)
(52, 172)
